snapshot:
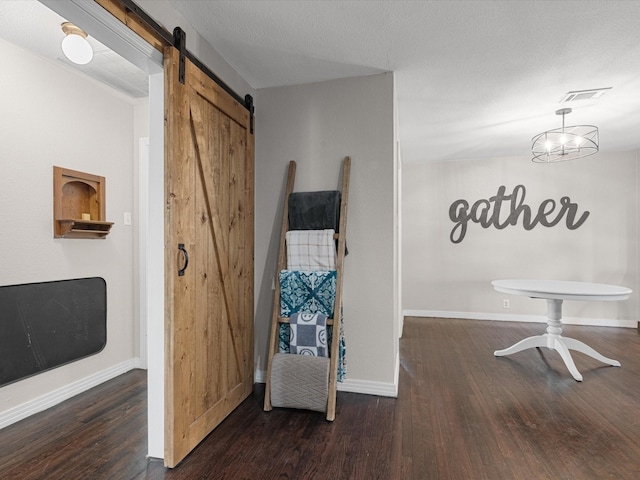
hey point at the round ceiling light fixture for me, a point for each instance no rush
(75, 45)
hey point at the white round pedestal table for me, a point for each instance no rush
(555, 292)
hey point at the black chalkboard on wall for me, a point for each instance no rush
(48, 324)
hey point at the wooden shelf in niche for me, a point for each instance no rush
(79, 205)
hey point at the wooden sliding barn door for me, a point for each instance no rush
(209, 175)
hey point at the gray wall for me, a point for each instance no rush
(317, 125)
(440, 276)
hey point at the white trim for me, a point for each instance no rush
(260, 376)
(503, 317)
(142, 246)
(59, 395)
(154, 271)
(140, 363)
(396, 376)
(365, 387)
(102, 25)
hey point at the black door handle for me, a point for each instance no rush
(186, 259)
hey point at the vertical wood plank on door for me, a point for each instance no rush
(205, 315)
(180, 187)
(238, 147)
(246, 215)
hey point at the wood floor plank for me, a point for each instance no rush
(461, 413)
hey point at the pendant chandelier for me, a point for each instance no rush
(566, 143)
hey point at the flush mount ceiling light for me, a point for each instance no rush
(566, 143)
(75, 45)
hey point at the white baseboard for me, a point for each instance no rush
(260, 376)
(139, 363)
(510, 317)
(61, 394)
(365, 387)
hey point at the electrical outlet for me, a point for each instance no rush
(505, 303)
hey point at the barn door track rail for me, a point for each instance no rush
(178, 40)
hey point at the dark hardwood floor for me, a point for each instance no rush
(461, 414)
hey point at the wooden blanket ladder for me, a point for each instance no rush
(335, 319)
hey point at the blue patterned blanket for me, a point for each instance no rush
(309, 292)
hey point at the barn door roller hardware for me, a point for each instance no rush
(179, 41)
(248, 103)
(180, 44)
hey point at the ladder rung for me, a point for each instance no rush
(286, 320)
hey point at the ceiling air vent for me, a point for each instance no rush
(577, 95)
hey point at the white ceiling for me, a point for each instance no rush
(34, 27)
(474, 79)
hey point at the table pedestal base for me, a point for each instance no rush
(555, 341)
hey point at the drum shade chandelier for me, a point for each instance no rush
(566, 143)
(75, 45)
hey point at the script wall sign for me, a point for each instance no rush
(488, 213)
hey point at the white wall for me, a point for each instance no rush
(51, 116)
(317, 125)
(440, 276)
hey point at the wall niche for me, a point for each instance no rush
(79, 205)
